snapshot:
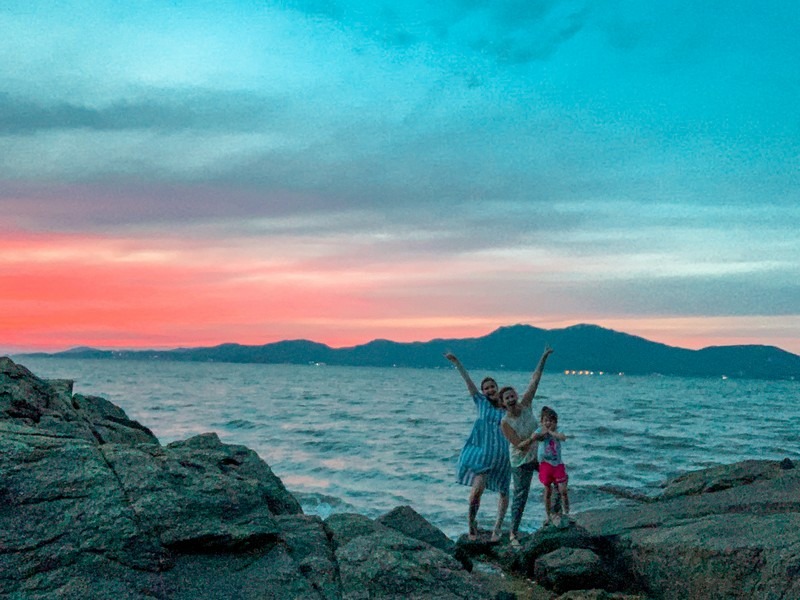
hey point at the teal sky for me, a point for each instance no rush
(341, 171)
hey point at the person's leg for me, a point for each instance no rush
(555, 503)
(522, 486)
(548, 491)
(546, 478)
(562, 489)
(502, 507)
(478, 485)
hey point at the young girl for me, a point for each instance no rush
(551, 468)
(484, 459)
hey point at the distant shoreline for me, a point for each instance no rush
(580, 349)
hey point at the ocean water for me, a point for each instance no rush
(363, 439)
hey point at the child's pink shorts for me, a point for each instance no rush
(549, 474)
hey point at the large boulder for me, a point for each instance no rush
(109, 423)
(309, 543)
(570, 569)
(49, 405)
(409, 522)
(720, 478)
(595, 594)
(389, 565)
(267, 573)
(200, 495)
(376, 561)
(547, 540)
(65, 522)
(347, 526)
(27, 400)
(92, 506)
(732, 532)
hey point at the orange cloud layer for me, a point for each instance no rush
(71, 290)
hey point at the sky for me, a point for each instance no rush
(188, 173)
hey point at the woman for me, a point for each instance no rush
(484, 459)
(519, 426)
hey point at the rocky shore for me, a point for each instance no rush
(93, 506)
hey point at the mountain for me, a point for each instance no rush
(517, 347)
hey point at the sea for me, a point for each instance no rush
(365, 439)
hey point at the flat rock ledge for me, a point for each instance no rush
(93, 506)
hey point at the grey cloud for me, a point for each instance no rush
(126, 203)
(510, 31)
(163, 110)
(734, 296)
(522, 34)
(767, 293)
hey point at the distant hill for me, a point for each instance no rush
(517, 347)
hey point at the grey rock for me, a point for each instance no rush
(570, 569)
(309, 543)
(28, 400)
(599, 595)
(50, 406)
(262, 574)
(539, 543)
(741, 541)
(92, 506)
(347, 526)
(720, 478)
(109, 423)
(64, 520)
(409, 522)
(391, 566)
(376, 561)
(194, 501)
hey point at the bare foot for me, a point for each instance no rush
(496, 535)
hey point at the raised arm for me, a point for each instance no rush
(527, 396)
(460, 368)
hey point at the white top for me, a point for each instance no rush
(524, 425)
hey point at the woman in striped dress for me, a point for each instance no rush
(483, 463)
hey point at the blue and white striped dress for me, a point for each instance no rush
(486, 450)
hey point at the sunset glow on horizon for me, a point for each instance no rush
(191, 174)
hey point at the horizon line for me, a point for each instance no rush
(379, 339)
